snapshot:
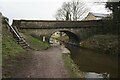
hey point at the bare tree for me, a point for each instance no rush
(78, 9)
(115, 7)
(71, 11)
(64, 13)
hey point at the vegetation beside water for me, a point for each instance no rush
(71, 67)
(106, 43)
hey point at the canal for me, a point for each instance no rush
(94, 61)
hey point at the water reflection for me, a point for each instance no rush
(96, 75)
(94, 61)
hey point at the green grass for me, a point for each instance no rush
(13, 55)
(39, 43)
(35, 42)
(11, 51)
(10, 48)
(71, 67)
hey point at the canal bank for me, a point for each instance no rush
(71, 67)
(93, 61)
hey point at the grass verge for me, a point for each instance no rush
(71, 67)
(10, 51)
(35, 42)
(10, 48)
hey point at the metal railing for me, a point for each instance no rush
(13, 30)
(20, 38)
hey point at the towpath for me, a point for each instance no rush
(44, 64)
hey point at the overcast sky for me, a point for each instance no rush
(40, 9)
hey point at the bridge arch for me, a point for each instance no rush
(73, 38)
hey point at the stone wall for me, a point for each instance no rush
(35, 24)
(81, 34)
(74, 29)
(0, 45)
(0, 24)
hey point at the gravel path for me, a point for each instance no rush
(45, 64)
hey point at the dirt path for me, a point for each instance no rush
(45, 64)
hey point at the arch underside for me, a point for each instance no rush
(73, 38)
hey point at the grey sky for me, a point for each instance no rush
(40, 9)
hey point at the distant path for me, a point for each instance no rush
(45, 64)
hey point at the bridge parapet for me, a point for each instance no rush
(40, 24)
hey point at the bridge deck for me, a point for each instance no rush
(45, 24)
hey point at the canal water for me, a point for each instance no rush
(94, 61)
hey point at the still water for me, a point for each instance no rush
(94, 61)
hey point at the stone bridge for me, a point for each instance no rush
(76, 30)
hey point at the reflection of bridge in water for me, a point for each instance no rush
(75, 30)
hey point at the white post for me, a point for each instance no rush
(43, 38)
